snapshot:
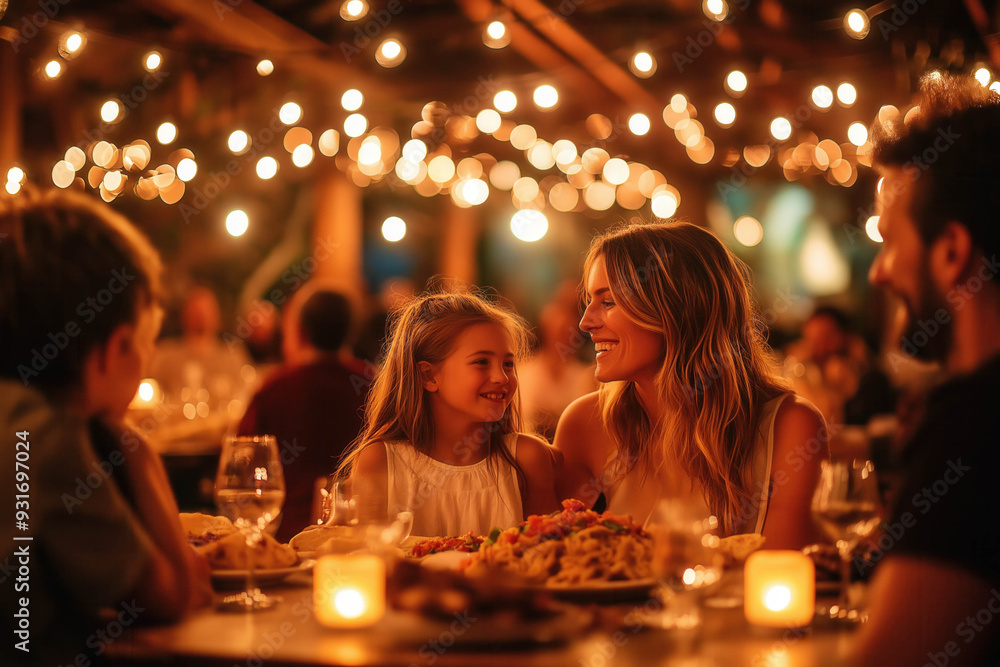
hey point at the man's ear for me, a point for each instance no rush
(951, 254)
(427, 374)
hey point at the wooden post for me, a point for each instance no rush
(10, 112)
(458, 247)
(338, 233)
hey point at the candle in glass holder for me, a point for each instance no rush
(349, 590)
(779, 589)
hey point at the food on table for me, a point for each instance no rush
(216, 538)
(204, 528)
(448, 595)
(434, 545)
(567, 548)
(736, 548)
(315, 538)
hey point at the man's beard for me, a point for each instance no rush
(926, 337)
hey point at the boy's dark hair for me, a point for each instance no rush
(325, 320)
(71, 271)
(950, 145)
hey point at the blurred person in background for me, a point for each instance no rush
(200, 366)
(554, 376)
(79, 315)
(832, 367)
(934, 598)
(313, 403)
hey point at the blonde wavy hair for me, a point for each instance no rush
(425, 329)
(716, 375)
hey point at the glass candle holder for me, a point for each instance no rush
(779, 589)
(349, 590)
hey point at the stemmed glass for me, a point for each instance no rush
(250, 490)
(845, 506)
(686, 559)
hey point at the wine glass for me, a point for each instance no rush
(250, 490)
(686, 559)
(845, 506)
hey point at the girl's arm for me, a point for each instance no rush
(370, 482)
(536, 460)
(800, 445)
(584, 445)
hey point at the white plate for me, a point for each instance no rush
(262, 577)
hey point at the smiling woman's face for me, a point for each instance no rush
(625, 350)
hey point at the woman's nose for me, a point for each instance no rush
(588, 322)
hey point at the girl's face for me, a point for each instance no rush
(476, 381)
(625, 351)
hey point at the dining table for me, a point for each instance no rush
(585, 633)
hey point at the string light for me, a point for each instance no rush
(393, 229)
(847, 94)
(152, 61)
(71, 44)
(736, 83)
(355, 125)
(505, 101)
(265, 67)
(717, 10)
(546, 97)
(496, 35)
(871, 228)
(53, 69)
(857, 134)
(856, 23)
(725, 114)
(781, 129)
(639, 124)
(983, 76)
(186, 169)
(110, 111)
(238, 142)
(237, 222)
(748, 231)
(822, 97)
(353, 10)
(643, 64)
(529, 225)
(352, 100)
(267, 167)
(166, 133)
(290, 113)
(391, 53)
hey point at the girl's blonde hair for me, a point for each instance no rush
(680, 280)
(425, 329)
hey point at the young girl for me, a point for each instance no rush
(441, 422)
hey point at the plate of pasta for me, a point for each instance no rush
(573, 553)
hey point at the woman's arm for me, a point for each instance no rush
(800, 445)
(536, 462)
(584, 444)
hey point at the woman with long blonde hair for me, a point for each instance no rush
(442, 421)
(689, 407)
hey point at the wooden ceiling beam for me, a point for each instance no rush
(538, 51)
(617, 80)
(250, 28)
